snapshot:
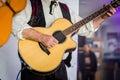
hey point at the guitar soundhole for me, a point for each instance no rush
(59, 36)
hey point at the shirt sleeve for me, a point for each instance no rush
(20, 21)
(85, 30)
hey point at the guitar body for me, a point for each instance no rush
(6, 18)
(36, 58)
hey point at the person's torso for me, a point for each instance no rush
(41, 13)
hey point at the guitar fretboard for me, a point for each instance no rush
(79, 24)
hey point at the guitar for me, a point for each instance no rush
(7, 11)
(41, 59)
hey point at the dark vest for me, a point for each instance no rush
(38, 19)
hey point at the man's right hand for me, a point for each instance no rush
(48, 40)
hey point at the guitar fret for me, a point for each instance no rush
(79, 24)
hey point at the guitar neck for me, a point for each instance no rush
(79, 24)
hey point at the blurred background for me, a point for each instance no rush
(105, 43)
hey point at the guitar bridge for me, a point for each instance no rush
(44, 48)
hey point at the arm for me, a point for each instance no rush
(99, 20)
(85, 30)
(22, 30)
(91, 27)
(45, 39)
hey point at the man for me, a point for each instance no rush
(87, 63)
(42, 13)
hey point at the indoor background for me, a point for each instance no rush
(109, 30)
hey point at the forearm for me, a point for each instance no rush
(31, 34)
(97, 22)
(100, 19)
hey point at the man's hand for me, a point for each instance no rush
(100, 19)
(109, 13)
(48, 40)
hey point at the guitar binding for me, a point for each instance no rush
(34, 71)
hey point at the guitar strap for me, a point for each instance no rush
(38, 19)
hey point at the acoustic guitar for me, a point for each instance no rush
(41, 59)
(7, 11)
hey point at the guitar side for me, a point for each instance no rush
(36, 58)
